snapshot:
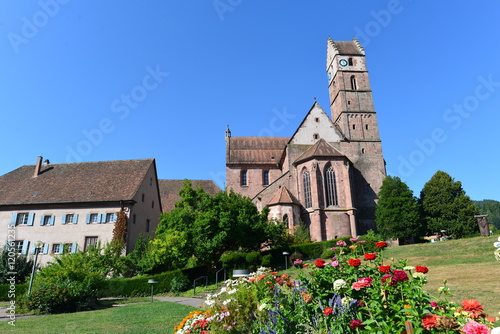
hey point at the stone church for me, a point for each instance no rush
(329, 172)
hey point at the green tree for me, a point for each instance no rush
(445, 206)
(397, 214)
(206, 226)
(13, 262)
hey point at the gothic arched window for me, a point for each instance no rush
(286, 221)
(306, 180)
(353, 83)
(330, 187)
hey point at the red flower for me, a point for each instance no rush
(355, 324)
(399, 275)
(381, 244)
(370, 256)
(429, 321)
(261, 277)
(327, 311)
(384, 269)
(274, 273)
(471, 305)
(319, 263)
(354, 262)
(305, 265)
(422, 269)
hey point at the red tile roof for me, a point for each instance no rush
(256, 150)
(101, 181)
(283, 196)
(169, 190)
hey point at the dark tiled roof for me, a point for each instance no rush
(169, 190)
(101, 181)
(348, 47)
(256, 150)
(283, 196)
(320, 149)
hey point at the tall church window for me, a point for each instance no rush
(286, 221)
(353, 83)
(265, 177)
(306, 180)
(331, 187)
(243, 177)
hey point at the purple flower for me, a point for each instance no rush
(341, 243)
(361, 241)
(353, 240)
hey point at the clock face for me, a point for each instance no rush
(343, 62)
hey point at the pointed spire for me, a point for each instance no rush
(228, 132)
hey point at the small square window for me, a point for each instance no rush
(70, 218)
(94, 218)
(22, 218)
(316, 119)
(90, 242)
(18, 246)
(56, 248)
(110, 217)
(46, 220)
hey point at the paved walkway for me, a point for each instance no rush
(194, 302)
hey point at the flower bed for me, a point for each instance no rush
(357, 293)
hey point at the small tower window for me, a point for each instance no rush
(362, 151)
(316, 119)
(286, 221)
(366, 126)
(353, 83)
(350, 61)
(354, 126)
(348, 102)
(315, 136)
(243, 177)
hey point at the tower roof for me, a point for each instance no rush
(320, 149)
(347, 47)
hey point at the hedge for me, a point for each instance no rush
(175, 281)
(21, 289)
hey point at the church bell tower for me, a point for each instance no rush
(351, 101)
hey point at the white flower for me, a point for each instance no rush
(339, 285)
(421, 276)
(408, 268)
(495, 330)
(346, 300)
(262, 306)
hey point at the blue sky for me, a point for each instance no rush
(112, 80)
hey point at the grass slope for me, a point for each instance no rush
(158, 317)
(468, 265)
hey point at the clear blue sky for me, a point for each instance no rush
(112, 80)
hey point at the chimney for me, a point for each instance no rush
(38, 166)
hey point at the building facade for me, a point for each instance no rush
(329, 172)
(71, 207)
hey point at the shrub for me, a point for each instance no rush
(267, 260)
(234, 260)
(253, 259)
(179, 282)
(22, 266)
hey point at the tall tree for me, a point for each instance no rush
(397, 214)
(206, 226)
(445, 206)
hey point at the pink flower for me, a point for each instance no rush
(335, 263)
(361, 241)
(341, 243)
(364, 282)
(434, 304)
(353, 240)
(399, 275)
(473, 327)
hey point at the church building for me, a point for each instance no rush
(329, 172)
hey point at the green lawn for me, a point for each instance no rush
(157, 317)
(468, 265)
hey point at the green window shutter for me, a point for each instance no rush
(26, 245)
(31, 218)
(63, 219)
(87, 219)
(42, 217)
(13, 219)
(75, 218)
(45, 249)
(74, 247)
